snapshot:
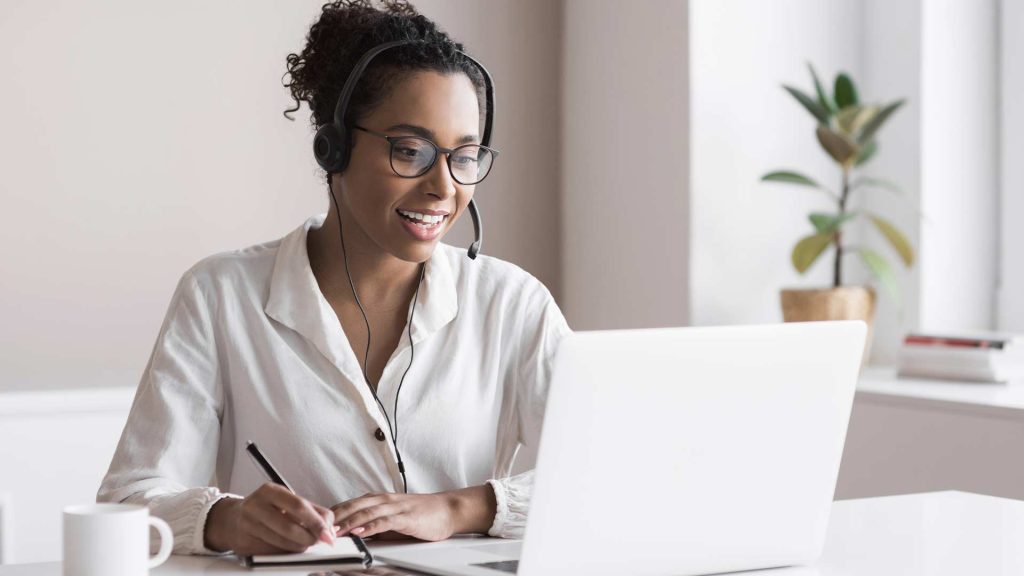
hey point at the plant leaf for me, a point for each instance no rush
(895, 237)
(866, 115)
(853, 119)
(845, 92)
(823, 98)
(808, 249)
(868, 132)
(829, 223)
(811, 105)
(839, 147)
(790, 177)
(870, 182)
(846, 117)
(879, 266)
(866, 152)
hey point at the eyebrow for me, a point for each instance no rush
(429, 134)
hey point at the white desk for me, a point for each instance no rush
(935, 534)
(910, 435)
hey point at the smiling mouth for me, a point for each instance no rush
(424, 221)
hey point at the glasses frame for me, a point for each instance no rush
(438, 150)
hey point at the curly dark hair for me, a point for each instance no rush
(347, 29)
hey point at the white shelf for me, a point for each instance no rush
(1003, 399)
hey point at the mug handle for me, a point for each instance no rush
(166, 541)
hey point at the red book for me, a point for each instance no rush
(960, 342)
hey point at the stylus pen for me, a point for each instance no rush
(272, 474)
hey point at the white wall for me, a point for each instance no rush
(55, 447)
(745, 125)
(1011, 209)
(6, 528)
(941, 148)
(138, 138)
(959, 169)
(625, 169)
(891, 52)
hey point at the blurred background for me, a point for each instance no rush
(138, 138)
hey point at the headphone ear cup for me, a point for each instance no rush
(329, 148)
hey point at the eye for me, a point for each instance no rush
(410, 152)
(464, 160)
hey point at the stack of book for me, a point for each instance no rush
(976, 356)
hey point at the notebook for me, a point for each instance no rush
(346, 550)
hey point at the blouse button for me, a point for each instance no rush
(379, 434)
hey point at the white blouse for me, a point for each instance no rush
(251, 350)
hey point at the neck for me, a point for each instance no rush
(383, 282)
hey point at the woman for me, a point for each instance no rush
(303, 344)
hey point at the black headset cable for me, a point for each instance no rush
(393, 431)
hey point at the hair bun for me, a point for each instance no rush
(347, 29)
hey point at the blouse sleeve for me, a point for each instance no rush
(543, 330)
(166, 457)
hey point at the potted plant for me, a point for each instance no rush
(846, 130)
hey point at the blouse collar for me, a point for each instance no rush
(295, 300)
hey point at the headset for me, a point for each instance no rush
(332, 149)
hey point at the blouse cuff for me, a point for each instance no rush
(199, 528)
(512, 496)
(186, 513)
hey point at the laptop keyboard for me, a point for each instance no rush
(509, 566)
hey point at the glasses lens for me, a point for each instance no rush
(471, 163)
(411, 157)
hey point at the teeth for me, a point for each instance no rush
(425, 218)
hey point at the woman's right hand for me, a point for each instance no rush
(271, 520)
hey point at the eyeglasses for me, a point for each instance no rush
(413, 156)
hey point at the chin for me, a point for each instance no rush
(419, 252)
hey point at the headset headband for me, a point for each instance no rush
(360, 67)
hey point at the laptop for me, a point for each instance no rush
(678, 451)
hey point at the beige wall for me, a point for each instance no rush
(625, 208)
(140, 137)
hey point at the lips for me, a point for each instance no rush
(427, 211)
(421, 226)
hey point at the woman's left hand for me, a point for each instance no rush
(424, 516)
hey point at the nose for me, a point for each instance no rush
(439, 179)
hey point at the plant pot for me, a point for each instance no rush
(842, 303)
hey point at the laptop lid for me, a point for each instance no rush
(691, 450)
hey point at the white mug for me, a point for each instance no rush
(112, 540)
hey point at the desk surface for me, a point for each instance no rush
(935, 534)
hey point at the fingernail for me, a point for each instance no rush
(358, 530)
(326, 537)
